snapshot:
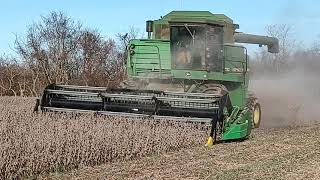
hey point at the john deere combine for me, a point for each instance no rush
(191, 68)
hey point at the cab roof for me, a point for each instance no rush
(196, 17)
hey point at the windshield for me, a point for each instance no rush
(194, 46)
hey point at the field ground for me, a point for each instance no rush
(35, 144)
(283, 153)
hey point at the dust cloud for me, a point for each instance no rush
(290, 99)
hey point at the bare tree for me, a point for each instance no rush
(276, 63)
(10, 76)
(50, 48)
(315, 47)
(287, 44)
(124, 39)
(99, 59)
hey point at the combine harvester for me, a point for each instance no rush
(189, 69)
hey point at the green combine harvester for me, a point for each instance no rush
(191, 68)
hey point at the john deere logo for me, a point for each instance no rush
(188, 74)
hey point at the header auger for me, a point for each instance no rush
(189, 69)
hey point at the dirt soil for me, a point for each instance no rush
(280, 153)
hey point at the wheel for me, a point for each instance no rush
(256, 115)
(211, 88)
(130, 84)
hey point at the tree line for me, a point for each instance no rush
(57, 49)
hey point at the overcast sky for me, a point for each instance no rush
(111, 17)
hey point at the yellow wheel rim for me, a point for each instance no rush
(256, 116)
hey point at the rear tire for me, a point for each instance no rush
(256, 115)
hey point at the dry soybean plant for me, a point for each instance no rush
(37, 143)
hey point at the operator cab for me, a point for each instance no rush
(196, 46)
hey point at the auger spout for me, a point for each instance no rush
(271, 42)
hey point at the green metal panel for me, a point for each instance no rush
(240, 129)
(237, 131)
(205, 75)
(149, 57)
(236, 92)
(234, 59)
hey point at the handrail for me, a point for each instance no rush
(159, 58)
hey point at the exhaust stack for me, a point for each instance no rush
(149, 28)
(271, 42)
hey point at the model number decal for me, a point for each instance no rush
(234, 69)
